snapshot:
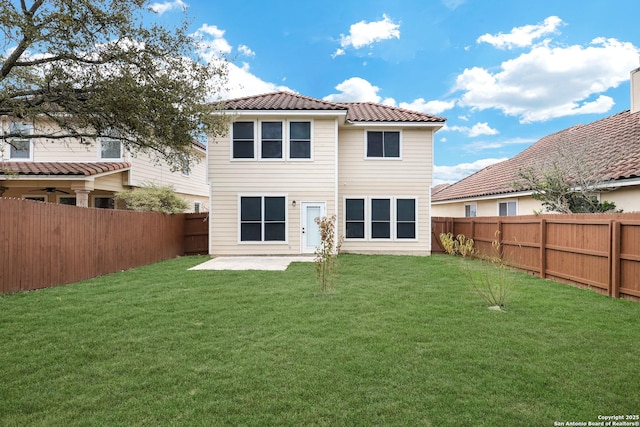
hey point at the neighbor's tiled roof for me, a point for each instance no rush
(610, 146)
(356, 111)
(61, 168)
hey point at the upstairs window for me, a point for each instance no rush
(271, 137)
(300, 140)
(243, 140)
(110, 149)
(20, 146)
(383, 144)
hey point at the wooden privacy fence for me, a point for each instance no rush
(46, 244)
(196, 234)
(600, 250)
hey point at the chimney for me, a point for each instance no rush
(635, 90)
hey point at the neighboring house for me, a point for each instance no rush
(610, 147)
(289, 159)
(69, 172)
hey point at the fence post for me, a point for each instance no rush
(614, 265)
(543, 248)
(500, 240)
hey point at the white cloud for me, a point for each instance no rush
(364, 33)
(477, 146)
(243, 83)
(453, 4)
(355, 89)
(245, 50)
(430, 107)
(450, 174)
(522, 36)
(210, 42)
(161, 8)
(549, 82)
(476, 130)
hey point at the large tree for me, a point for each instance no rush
(104, 68)
(569, 179)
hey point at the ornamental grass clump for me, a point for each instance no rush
(493, 286)
(326, 253)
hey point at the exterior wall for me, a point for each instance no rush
(408, 177)
(298, 180)
(625, 198)
(144, 170)
(526, 205)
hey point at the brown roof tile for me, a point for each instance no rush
(280, 101)
(61, 168)
(610, 146)
(370, 112)
(356, 111)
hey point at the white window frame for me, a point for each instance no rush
(283, 154)
(383, 158)
(473, 209)
(288, 140)
(102, 140)
(393, 200)
(263, 242)
(514, 201)
(255, 141)
(28, 127)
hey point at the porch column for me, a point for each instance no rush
(82, 198)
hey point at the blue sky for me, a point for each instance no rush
(503, 72)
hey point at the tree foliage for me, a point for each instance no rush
(101, 68)
(152, 198)
(568, 181)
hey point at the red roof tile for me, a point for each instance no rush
(370, 112)
(356, 111)
(280, 101)
(610, 146)
(61, 168)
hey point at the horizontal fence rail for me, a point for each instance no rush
(601, 251)
(46, 244)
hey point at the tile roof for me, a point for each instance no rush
(281, 101)
(610, 146)
(356, 111)
(370, 112)
(62, 168)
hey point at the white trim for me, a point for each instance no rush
(515, 201)
(263, 242)
(383, 158)
(259, 141)
(475, 205)
(304, 249)
(395, 124)
(287, 141)
(479, 198)
(335, 178)
(393, 218)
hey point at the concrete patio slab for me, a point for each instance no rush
(273, 263)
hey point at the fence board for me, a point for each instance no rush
(46, 244)
(597, 250)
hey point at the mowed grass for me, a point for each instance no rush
(399, 341)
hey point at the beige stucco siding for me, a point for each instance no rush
(526, 205)
(625, 198)
(408, 177)
(297, 180)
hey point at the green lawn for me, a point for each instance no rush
(399, 341)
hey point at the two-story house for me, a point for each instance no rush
(289, 159)
(68, 172)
